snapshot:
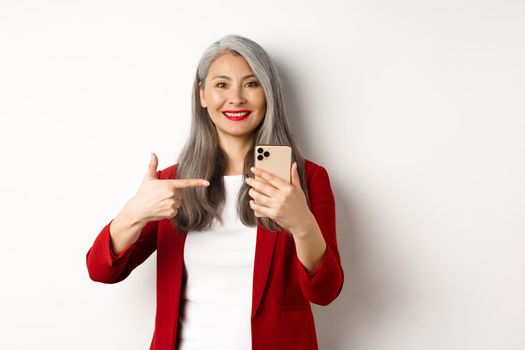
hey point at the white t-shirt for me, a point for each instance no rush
(216, 310)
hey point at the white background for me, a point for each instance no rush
(415, 108)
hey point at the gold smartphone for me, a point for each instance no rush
(275, 159)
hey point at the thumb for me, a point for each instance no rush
(152, 167)
(295, 176)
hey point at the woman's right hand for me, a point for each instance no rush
(158, 199)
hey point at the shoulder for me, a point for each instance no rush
(317, 182)
(167, 173)
(316, 177)
(311, 168)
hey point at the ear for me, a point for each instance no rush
(201, 95)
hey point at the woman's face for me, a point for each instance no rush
(233, 96)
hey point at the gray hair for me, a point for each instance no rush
(202, 157)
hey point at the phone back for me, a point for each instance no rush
(275, 159)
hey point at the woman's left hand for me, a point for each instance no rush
(283, 202)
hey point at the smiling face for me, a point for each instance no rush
(234, 98)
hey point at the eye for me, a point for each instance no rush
(254, 83)
(217, 85)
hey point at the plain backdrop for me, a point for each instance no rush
(415, 108)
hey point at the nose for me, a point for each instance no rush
(236, 96)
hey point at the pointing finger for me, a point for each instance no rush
(187, 183)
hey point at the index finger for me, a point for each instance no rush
(186, 183)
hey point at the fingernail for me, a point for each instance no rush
(207, 183)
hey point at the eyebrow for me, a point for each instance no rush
(228, 78)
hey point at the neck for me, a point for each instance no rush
(235, 150)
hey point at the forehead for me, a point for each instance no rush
(229, 65)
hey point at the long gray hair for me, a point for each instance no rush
(203, 158)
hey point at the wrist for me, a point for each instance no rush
(132, 217)
(306, 228)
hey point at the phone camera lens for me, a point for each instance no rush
(266, 154)
(260, 150)
(260, 157)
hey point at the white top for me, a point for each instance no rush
(216, 309)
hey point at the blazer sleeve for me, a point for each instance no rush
(105, 266)
(325, 284)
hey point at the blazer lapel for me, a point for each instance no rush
(264, 248)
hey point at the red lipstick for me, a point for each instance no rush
(237, 115)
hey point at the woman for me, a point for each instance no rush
(239, 260)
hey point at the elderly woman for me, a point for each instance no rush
(239, 259)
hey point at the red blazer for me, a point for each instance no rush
(282, 288)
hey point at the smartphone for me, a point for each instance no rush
(275, 159)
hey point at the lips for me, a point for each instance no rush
(237, 115)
